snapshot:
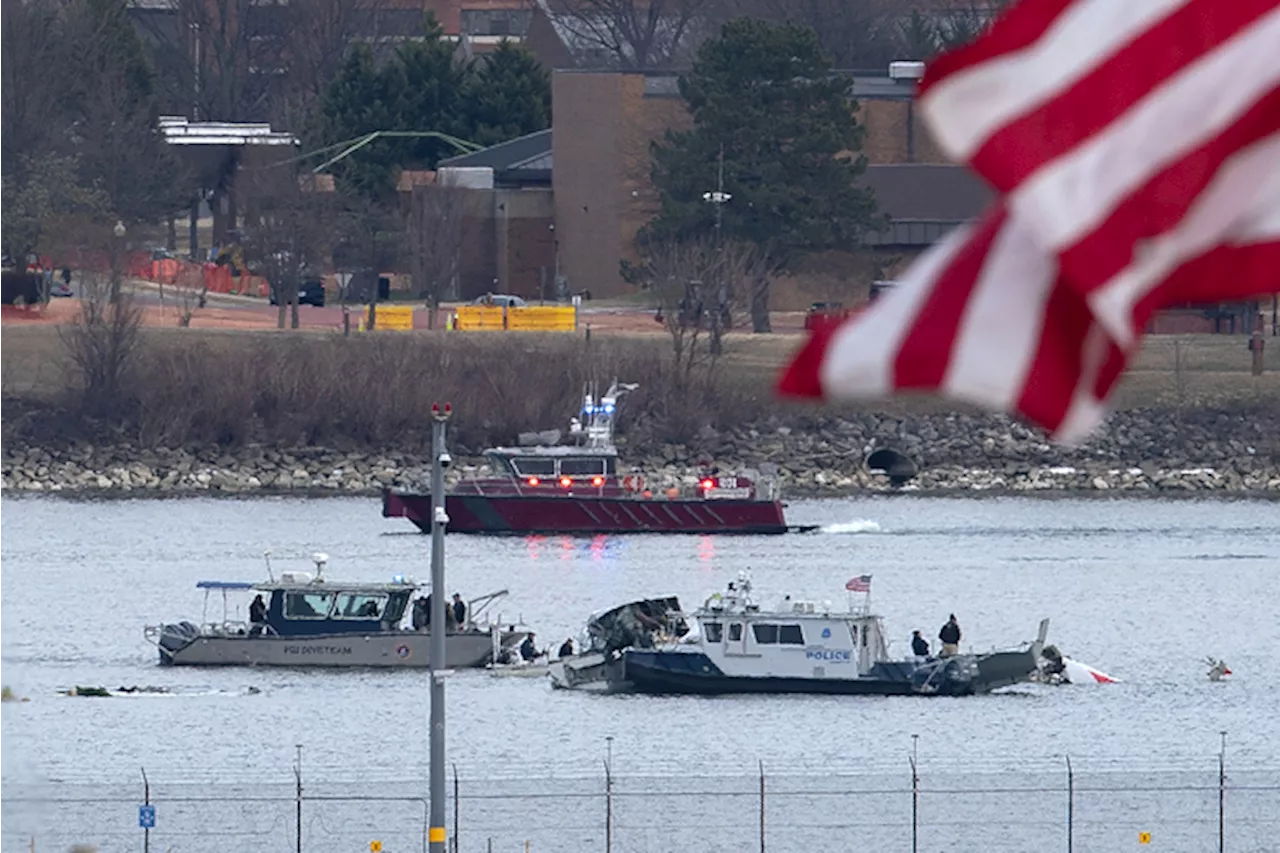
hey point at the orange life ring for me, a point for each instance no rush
(633, 482)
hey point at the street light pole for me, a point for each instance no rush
(118, 232)
(439, 520)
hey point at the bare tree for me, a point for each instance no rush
(315, 37)
(102, 342)
(29, 82)
(288, 227)
(435, 242)
(187, 293)
(701, 289)
(634, 35)
(855, 33)
(372, 234)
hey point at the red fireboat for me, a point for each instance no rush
(546, 486)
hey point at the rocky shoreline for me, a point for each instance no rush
(1138, 452)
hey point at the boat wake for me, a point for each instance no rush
(857, 525)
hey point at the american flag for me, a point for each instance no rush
(862, 583)
(1136, 148)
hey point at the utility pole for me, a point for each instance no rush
(439, 520)
(720, 196)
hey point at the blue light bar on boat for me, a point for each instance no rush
(224, 585)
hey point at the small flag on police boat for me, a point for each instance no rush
(862, 583)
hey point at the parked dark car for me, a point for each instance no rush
(310, 292)
(825, 314)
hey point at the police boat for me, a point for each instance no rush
(306, 620)
(805, 647)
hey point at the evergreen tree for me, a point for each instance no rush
(508, 95)
(358, 102)
(774, 123)
(764, 99)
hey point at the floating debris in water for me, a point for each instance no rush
(80, 690)
(7, 695)
(1217, 669)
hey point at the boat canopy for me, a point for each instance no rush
(224, 585)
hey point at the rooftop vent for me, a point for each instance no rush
(906, 70)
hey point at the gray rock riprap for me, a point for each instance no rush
(1137, 451)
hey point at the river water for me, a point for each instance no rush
(1143, 589)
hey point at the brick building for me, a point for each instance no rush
(507, 240)
(603, 124)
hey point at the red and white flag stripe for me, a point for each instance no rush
(1137, 145)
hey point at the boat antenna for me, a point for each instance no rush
(266, 556)
(320, 559)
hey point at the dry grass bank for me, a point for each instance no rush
(189, 386)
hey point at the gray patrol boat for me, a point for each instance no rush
(310, 621)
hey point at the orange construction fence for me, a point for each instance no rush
(210, 276)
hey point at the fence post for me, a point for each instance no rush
(455, 808)
(297, 775)
(915, 795)
(1222, 794)
(608, 808)
(761, 807)
(1071, 805)
(146, 800)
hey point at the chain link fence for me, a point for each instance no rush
(1085, 808)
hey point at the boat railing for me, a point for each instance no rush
(232, 628)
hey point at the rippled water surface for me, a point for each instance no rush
(1143, 589)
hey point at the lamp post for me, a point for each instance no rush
(439, 519)
(118, 233)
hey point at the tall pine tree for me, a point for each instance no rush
(765, 99)
(508, 95)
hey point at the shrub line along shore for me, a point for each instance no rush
(236, 414)
(958, 454)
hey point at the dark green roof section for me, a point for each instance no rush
(529, 153)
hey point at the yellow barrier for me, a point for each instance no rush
(534, 318)
(394, 318)
(552, 318)
(480, 318)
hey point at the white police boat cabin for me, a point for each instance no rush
(805, 647)
(313, 622)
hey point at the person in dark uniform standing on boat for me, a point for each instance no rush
(950, 637)
(919, 645)
(257, 616)
(566, 648)
(459, 610)
(421, 615)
